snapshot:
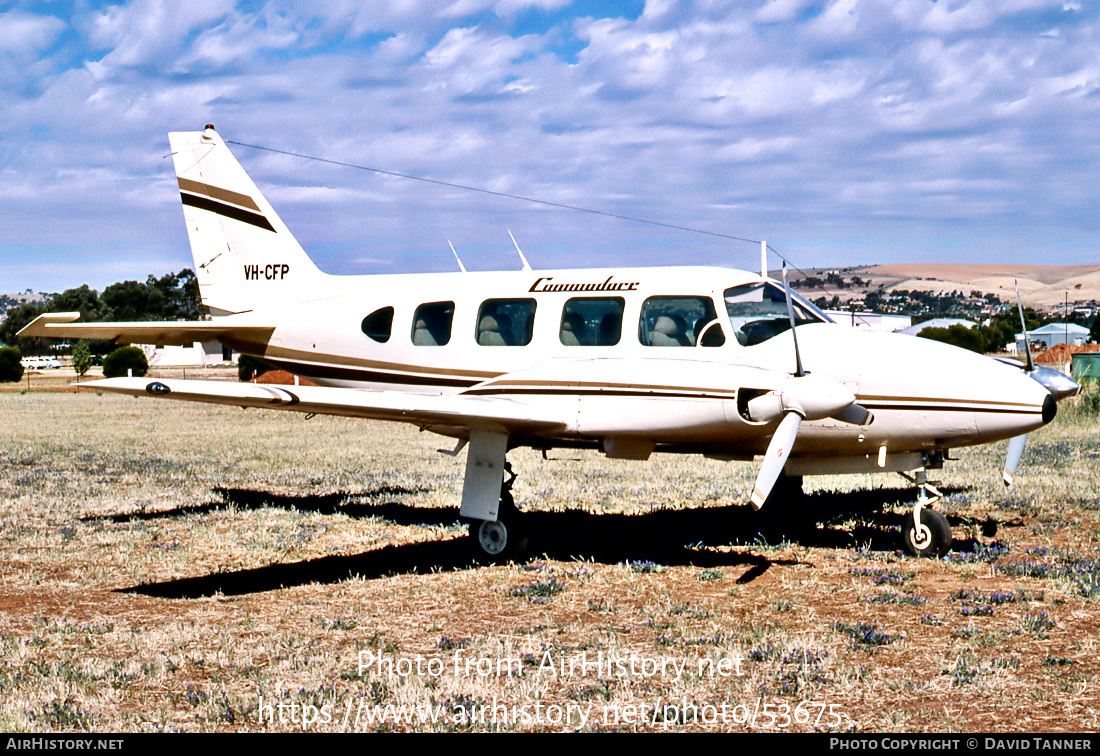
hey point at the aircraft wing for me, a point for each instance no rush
(449, 414)
(174, 332)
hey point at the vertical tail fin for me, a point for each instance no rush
(245, 258)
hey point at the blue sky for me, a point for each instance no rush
(844, 132)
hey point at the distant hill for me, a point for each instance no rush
(11, 300)
(1043, 287)
(22, 297)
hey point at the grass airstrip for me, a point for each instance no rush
(176, 567)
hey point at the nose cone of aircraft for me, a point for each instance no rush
(1050, 409)
(957, 396)
(1005, 402)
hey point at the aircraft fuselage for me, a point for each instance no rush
(590, 342)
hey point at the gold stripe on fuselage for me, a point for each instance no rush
(333, 360)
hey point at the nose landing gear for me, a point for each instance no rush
(926, 533)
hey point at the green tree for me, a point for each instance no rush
(87, 302)
(11, 369)
(1002, 331)
(957, 335)
(1031, 318)
(82, 299)
(82, 358)
(182, 300)
(174, 296)
(124, 360)
(132, 300)
(17, 318)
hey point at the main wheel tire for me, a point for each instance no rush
(500, 540)
(932, 539)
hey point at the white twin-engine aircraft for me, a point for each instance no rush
(625, 360)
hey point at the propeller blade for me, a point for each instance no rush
(776, 457)
(855, 414)
(1023, 326)
(1015, 451)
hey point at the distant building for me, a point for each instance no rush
(871, 321)
(198, 354)
(937, 323)
(1052, 334)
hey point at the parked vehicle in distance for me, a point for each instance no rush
(40, 363)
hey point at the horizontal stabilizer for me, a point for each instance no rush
(63, 325)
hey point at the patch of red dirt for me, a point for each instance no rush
(282, 378)
(1060, 354)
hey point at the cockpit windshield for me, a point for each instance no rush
(758, 311)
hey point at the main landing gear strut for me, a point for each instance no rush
(502, 539)
(496, 530)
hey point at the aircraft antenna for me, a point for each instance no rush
(457, 258)
(526, 265)
(763, 259)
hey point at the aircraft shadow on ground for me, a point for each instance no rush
(247, 499)
(864, 519)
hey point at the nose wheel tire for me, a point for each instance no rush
(931, 539)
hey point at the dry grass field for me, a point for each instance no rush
(174, 567)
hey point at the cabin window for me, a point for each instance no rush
(379, 324)
(592, 321)
(679, 321)
(505, 322)
(432, 323)
(758, 311)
